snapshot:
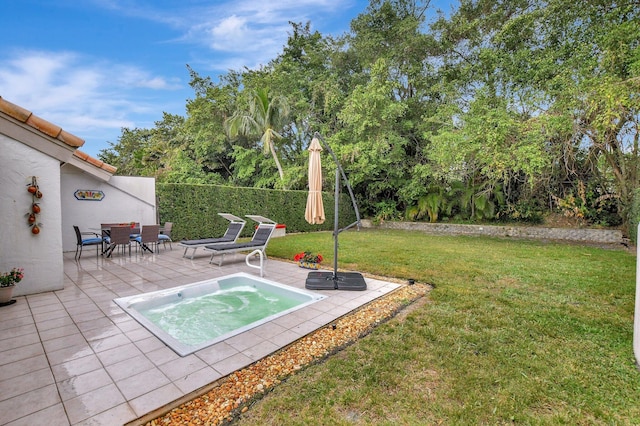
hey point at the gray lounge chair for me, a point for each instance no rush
(236, 225)
(259, 241)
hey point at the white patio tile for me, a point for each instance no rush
(182, 367)
(197, 380)
(92, 403)
(69, 354)
(84, 383)
(19, 353)
(118, 415)
(141, 383)
(63, 342)
(26, 382)
(112, 356)
(50, 416)
(155, 399)
(28, 403)
(129, 367)
(15, 369)
(76, 367)
(107, 367)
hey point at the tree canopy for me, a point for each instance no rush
(498, 110)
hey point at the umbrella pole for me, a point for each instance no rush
(335, 230)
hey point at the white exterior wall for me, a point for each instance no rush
(40, 255)
(126, 199)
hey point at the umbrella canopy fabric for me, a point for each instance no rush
(314, 213)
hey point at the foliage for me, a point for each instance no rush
(508, 107)
(265, 117)
(385, 211)
(430, 204)
(11, 278)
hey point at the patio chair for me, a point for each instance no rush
(258, 242)
(119, 236)
(236, 225)
(165, 235)
(148, 238)
(81, 241)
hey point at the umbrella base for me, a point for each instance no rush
(323, 280)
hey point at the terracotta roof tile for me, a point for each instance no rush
(94, 161)
(69, 139)
(50, 129)
(81, 155)
(44, 126)
(14, 110)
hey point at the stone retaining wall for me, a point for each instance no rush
(600, 236)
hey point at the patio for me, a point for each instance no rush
(73, 357)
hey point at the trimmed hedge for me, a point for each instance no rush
(194, 209)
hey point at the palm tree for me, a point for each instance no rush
(265, 117)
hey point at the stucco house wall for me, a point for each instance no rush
(39, 255)
(32, 146)
(126, 199)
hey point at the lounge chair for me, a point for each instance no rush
(258, 242)
(234, 229)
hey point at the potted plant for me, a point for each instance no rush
(308, 260)
(8, 281)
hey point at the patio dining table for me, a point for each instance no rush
(105, 230)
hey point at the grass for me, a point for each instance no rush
(520, 332)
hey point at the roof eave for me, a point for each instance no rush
(32, 137)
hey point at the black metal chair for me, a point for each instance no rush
(96, 240)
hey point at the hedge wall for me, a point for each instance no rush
(194, 209)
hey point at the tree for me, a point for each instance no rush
(542, 93)
(206, 113)
(265, 118)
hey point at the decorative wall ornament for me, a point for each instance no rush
(32, 215)
(89, 195)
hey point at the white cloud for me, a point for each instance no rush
(252, 31)
(94, 97)
(85, 96)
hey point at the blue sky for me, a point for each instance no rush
(96, 66)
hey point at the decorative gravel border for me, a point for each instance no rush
(234, 393)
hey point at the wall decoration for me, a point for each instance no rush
(32, 215)
(88, 195)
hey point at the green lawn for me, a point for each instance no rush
(514, 331)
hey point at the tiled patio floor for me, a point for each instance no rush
(73, 357)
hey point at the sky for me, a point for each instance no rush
(94, 67)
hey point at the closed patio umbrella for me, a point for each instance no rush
(314, 213)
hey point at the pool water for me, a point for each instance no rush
(196, 320)
(194, 316)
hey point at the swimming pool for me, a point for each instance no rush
(193, 316)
